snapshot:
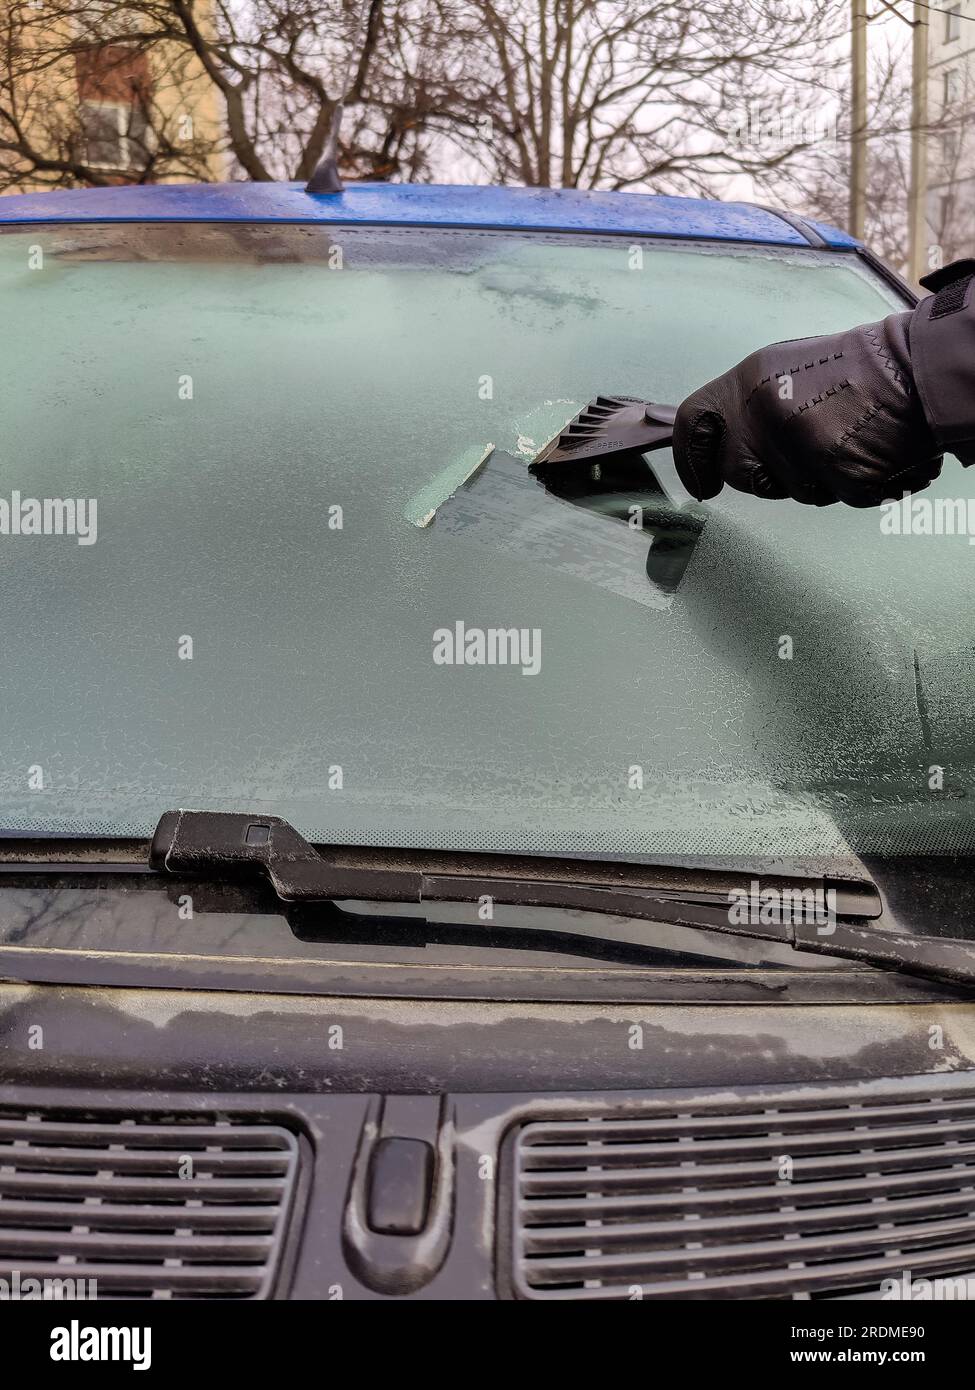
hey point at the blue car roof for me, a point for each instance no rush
(428, 205)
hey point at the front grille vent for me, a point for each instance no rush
(145, 1208)
(741, 1200)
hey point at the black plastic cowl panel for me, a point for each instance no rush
(475, 1253)
(144, 1206)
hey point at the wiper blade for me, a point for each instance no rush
(238, 844)
(241, 844)
(212, 843)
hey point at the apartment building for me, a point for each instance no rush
(84, 98)
(951, 146)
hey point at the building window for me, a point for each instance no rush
(952, 23)
(952, 87)
(116, 135)
(114, 94)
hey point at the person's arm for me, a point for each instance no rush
(942, 335)
(856, 417)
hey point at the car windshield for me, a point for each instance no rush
(257, 553)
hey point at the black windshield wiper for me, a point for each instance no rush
(242, 844)
(210, 843)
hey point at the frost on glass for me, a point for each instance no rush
(365, 388)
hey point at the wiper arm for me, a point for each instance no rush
(238, 844)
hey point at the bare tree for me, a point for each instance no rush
(612, 94)
(819, 176)
(248, 87)
(574, 93)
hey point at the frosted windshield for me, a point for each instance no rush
(275, 612)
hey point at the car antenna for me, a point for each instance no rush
(325, 176)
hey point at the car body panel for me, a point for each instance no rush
(571, 210)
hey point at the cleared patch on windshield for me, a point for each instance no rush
(636, 545)
(422, 506)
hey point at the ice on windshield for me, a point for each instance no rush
(261, 624)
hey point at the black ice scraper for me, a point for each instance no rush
(611, 432)
(597, 462)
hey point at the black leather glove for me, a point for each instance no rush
(831, 419)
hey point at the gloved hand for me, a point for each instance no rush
(822, 420)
